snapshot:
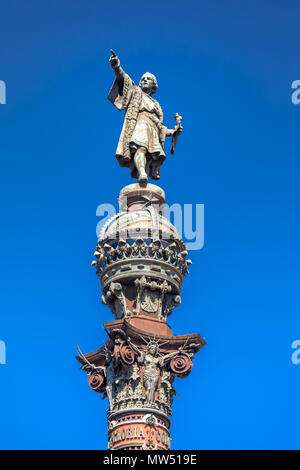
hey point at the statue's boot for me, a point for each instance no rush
(143, 178)
(155, 170)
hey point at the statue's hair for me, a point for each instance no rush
(153, 343)
(155, 86)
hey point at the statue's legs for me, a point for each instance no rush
(140, 163)
(155, 169)
(150, 383)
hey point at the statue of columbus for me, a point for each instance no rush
(141, 144)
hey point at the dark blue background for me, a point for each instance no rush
(227, 68)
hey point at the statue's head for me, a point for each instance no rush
(152, 348)
(148, 83)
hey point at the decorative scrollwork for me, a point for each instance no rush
(181, 364)
(127, 354)
(95, 381)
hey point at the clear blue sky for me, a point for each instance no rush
(227, 68)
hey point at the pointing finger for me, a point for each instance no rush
(113, 53)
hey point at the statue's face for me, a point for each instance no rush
(147, 83)
(153, 350)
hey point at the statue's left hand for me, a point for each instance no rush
(171, 132)
(179, 130)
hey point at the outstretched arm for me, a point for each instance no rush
(133, 346)
(87, 366)
(115, 63)
(169, 356)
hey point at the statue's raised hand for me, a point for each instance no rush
(114, 59)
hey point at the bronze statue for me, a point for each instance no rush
(141, 144)
(153, 362)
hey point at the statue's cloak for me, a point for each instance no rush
(131, 100)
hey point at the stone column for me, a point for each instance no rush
(141, 262)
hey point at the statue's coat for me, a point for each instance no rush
(132, 100)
